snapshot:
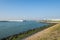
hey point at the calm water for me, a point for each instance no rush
(11, 28)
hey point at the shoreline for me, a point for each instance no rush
(41, 34)
(28, 33)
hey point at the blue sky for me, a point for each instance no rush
(29, 9)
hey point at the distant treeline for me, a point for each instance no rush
(27, 33)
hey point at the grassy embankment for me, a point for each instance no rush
(26, 34)
(52, 33)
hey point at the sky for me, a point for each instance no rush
(29, 9)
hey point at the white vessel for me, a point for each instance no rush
(17, 20)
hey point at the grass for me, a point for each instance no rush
(27, 33)
(53, 34)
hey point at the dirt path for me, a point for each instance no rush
(42, 34)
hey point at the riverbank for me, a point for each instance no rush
(28, 33)
(51, 33)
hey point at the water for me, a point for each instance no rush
(11, 28)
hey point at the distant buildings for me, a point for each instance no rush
(50, 20)
(55, 19)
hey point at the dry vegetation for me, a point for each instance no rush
(52, 33)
